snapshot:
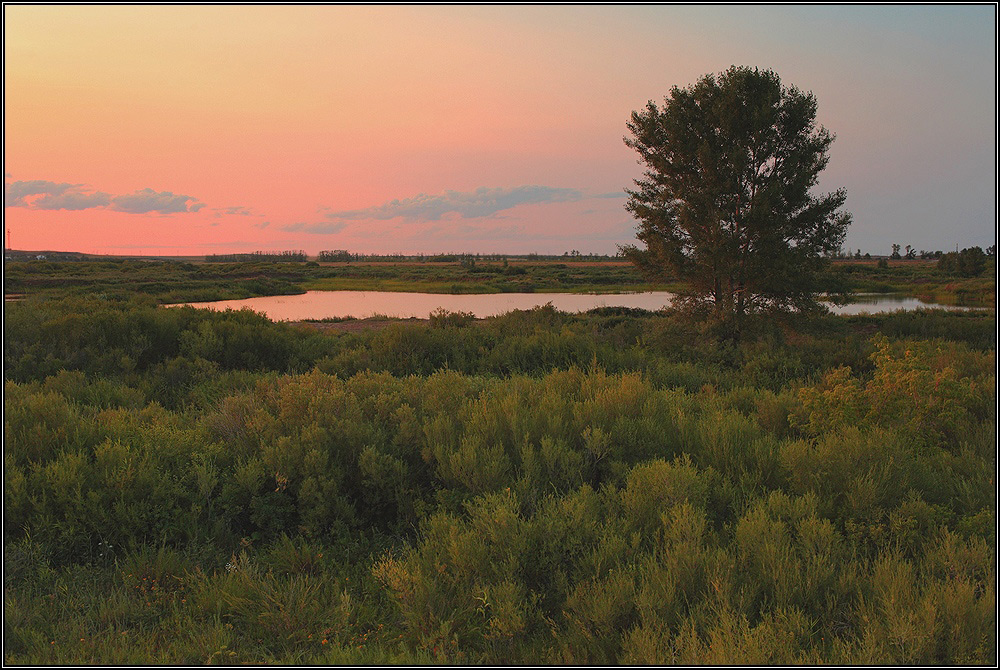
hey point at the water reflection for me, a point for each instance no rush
(876, 303)
(364, 304)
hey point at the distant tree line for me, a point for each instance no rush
(335, 256)
(575, 255)
(344, 256)
(968, 262)
(270, 256)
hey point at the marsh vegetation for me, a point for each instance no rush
(187, 486)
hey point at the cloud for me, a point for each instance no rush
(482, 202)
(72, 200)
(50, 195)
(16, 193)
(614, 194)
(261, 225)
(148, 200)
(314, 228)
(238, 210)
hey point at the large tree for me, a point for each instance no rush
(725, 201)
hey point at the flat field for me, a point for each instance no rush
(167, 281)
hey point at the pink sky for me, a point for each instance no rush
(203, 129)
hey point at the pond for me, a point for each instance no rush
(364, 304)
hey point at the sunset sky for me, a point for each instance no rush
(213, 129)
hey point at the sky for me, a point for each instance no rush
(182, 130)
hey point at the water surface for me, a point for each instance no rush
(365, 304)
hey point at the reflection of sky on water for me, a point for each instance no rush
(877, 303)
(364, 304)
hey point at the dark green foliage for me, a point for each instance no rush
(969, 262)
(725, 204)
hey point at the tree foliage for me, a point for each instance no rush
(967, 263)
(725, 201)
